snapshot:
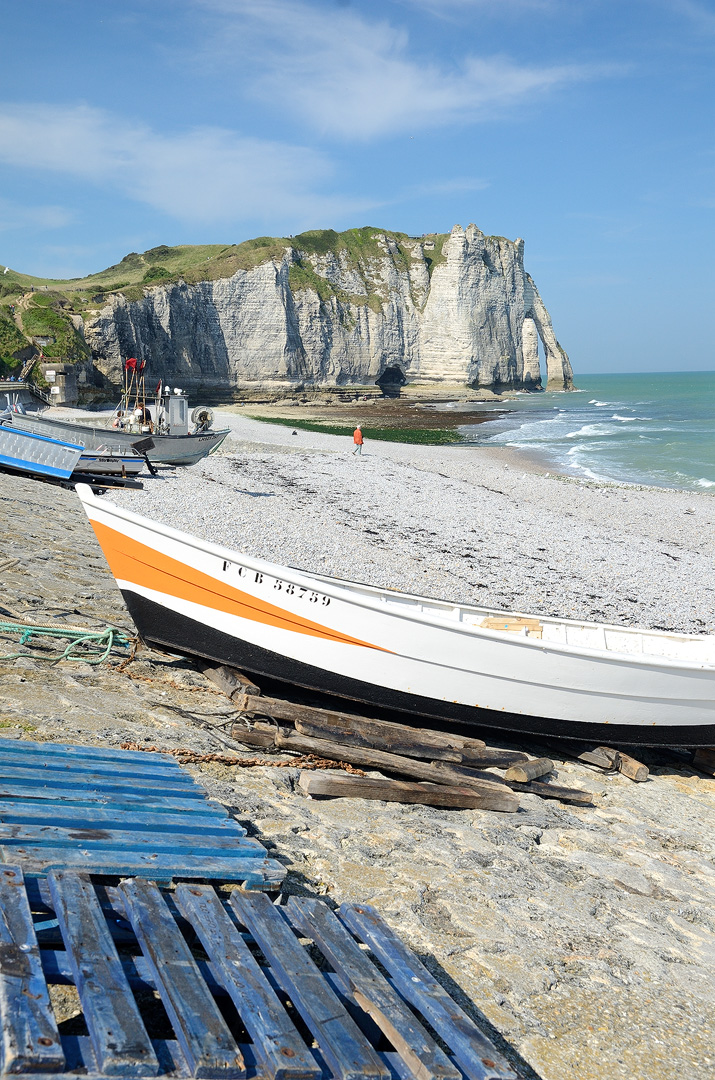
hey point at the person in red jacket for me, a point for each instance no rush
(358, 440)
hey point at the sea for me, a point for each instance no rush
(647, 428)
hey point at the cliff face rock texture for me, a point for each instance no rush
(339, 309)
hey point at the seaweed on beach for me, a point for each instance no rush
(424, 436)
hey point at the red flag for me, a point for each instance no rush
(131, 364)
(142, 366)
(158, 387)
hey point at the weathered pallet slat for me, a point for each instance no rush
(177, 788)
(370, 990)
(476, 1055)
(279, 996)
(177, 843)
(203, 1035)
(72, 750)
(278, 1047)
(254, 873)
(211, 820)
(345, 1048)
(30, 1039)
(119, 1038)
(155, 802)
(78, 764)
(119, 813)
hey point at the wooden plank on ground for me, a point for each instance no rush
(529, 770)
(47, 779)
(46, 750)
(79, 767)
(493, 791)
(603, 757)
(256, 873)
(248, 733)
(552, 791)
(364, 731)
(633, 769)
(120, 1041)
(30, 1039)
(370, 990)
(476, 1055)
(205, 1040)
(231, 682)
(200, 822)
(342, 1044)
(178, 843)
(342, 785)
(80, 796)
(279, 1049)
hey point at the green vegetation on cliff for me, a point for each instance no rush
(47, 303)
(11, 340)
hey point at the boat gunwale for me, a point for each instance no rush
(36, 435)
(264, 566)
(117, 432)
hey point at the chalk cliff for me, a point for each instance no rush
(329, 309)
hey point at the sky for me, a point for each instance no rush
(584, 126)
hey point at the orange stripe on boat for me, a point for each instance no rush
(138, 564)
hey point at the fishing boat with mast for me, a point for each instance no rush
(163, 416)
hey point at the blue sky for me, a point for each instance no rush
(584, 126)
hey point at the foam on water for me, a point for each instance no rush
(661, 429)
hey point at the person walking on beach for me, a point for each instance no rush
(358, 440)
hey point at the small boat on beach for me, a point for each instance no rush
(24, 452)
(105, 461)
(460, 663)
(165, 418)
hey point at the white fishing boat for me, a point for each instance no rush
(474, 665)
(179, 437)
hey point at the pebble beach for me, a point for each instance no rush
(466, 524)
(581, 936)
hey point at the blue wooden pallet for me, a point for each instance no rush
(119, 813)
(242, 993)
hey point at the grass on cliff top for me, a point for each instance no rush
(205, 262)
(193, 263)
(425, 436)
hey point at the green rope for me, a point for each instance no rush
(90, 646)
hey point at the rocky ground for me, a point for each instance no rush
(584, 935)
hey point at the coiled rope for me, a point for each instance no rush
(90, 646)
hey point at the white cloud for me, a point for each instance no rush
(15, 216)
(357, 79)
(203, 175)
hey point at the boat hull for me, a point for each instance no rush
(168, 449)
(162, 628)
(111, 464)
(36, 454)
(391, 649)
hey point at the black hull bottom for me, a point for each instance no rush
(159, 626)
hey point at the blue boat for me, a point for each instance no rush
(37, 455)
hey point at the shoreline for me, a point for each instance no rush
(528, 459)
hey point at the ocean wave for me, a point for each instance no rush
(705, 483)
(625, 419)
(591, 430)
